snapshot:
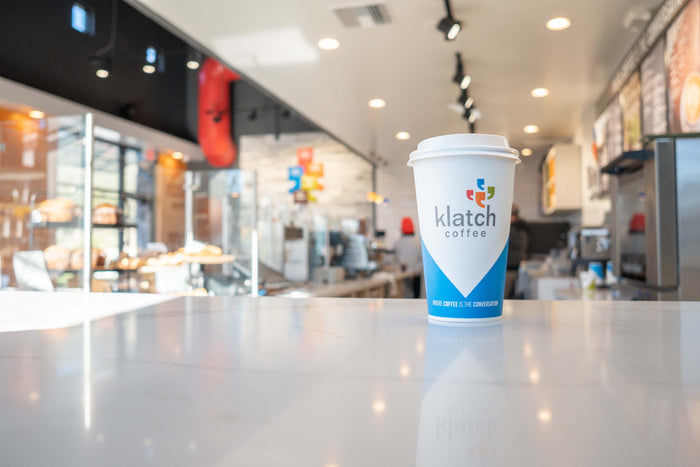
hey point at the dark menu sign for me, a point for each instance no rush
(614, 136)
(630, 102)
(653, 80)
(683, 59)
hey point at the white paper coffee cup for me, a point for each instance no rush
(464, 192)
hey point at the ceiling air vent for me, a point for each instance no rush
(366, 16)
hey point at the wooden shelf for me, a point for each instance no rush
(77, 224)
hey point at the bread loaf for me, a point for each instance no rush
(57, 257)
(106, 214)
(56, 210)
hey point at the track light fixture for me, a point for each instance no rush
(463, 98)
(459, 77)
(459, 70)
(103, 65)
(465, 82)
(474, 115)
(154, 60)
(104, 56)
(449, 26)
(194, 59)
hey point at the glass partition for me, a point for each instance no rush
(221, 231)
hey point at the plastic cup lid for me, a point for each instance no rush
(463, 144)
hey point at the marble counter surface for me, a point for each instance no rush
(353, 382)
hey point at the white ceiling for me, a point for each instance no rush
(504, 44)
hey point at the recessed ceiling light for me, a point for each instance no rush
(192, 64)
(38, 114)
(526, 152)
(379, 406)
(544, 416)
(177, 155)
(539, 92)
(469, 102)
(328, 43)
(557, 24)
(149, 69)
(403, 135)
(377, 103)
(531, 129)
(466, 81)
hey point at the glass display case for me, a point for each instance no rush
(79, 207)
(50, 170)
(45, 166)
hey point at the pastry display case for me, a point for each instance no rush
(44, 168)
(79, 208)
(50, 170)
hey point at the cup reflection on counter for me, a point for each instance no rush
(462, 415)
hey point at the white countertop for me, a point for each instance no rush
(354, 382)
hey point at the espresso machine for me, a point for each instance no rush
(655, 194)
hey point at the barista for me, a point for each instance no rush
(408, 255)
(518, 242)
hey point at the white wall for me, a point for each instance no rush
(347, 177)
(527, 192)
(396, 183)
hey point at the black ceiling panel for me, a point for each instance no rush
(38, 47)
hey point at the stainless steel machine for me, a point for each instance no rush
(655, 195)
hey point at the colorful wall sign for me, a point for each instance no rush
(305, 176)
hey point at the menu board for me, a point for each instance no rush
(614, 139)
(683, 60)
(600, 137)
(653, 83)
(600, 148)
(631, 107)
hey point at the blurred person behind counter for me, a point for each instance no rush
(518, 241)
(408, 254)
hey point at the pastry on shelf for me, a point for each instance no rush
(58, 258)
(127, 262)
(210, 250)
(56, 210)
(97, 258)
(200, 249)
(76, 259)
(106, 214)
(167, 259)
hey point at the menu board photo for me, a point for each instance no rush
(630, 104)
(614, 140)
(600, 134)
(683, 61)
(653, 84)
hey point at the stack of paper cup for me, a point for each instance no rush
(464, 191)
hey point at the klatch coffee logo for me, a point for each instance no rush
(480, 196)
(451, 217)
